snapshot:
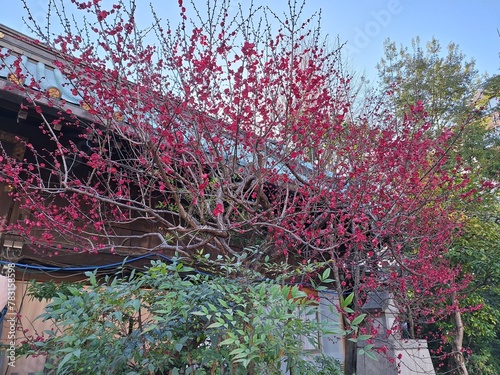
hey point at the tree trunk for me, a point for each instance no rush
(351, 357)
(351, 348)
(457, 341)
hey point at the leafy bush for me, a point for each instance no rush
(172, 320)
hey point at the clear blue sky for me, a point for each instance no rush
(365, 24)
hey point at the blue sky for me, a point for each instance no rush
(365, 24)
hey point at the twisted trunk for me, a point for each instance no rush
(457, 341)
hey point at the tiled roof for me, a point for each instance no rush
(49, 78)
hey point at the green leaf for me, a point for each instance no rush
(136, 304)
(237, 351)
(223, 303)
(371, 355)
(215, 325)
(326, 274)
(132, 274)
(364, 337)
(228, 341)
(285, 291)
(66, 358)
(357, 320)
(92, 278)
(74, 291)
(347, 301)
(149, 328)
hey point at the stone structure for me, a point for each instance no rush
(404, 356)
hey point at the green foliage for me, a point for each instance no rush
(445, 83)
(172, 320)
(478, 250)
(492, 91)
(484, 331)
(49, 290)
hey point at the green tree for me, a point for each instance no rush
(478, 248)
(455, 99)
(492, 92)
(478, 251)
(445, 83)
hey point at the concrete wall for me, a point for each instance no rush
(415, 358)
(25, 325)
(331, 345)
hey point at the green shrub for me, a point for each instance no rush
(172, 320)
